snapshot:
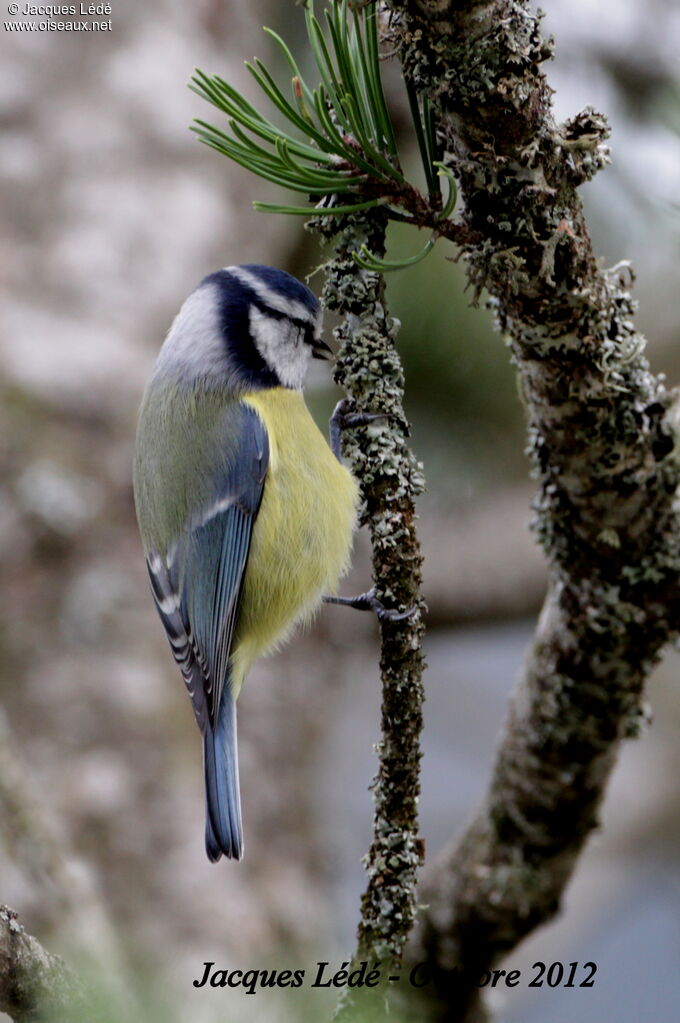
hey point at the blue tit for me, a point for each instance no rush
(245, 512)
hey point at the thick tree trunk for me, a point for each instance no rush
(602, 440)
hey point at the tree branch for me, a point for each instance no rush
(369, 370)
(602, 441)
(35, 985)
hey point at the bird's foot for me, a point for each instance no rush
(369, 602)
(344, 418)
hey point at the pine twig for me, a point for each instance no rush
(369, 370)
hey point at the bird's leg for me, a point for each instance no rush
(369, 602)
(344, 418)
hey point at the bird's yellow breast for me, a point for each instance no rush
(302, 536)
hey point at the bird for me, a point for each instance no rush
(245, 510)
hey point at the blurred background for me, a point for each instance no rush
(112, 213)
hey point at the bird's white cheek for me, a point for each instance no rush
(281, 346)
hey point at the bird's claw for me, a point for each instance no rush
(344, 418)
(369, 602)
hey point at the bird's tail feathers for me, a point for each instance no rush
(223, 831)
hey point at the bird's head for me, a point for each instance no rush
(254, 326)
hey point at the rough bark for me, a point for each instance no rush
(369, 371)
(35, 986)
(603, 444)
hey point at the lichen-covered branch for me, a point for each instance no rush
(603, 444)
(35, 986)
(369, 371)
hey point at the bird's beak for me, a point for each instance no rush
(320, 350)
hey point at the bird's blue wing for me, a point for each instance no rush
(197, 583)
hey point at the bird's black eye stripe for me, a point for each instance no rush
(276, 314)
(307, 328)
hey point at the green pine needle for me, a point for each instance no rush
(369, 261)
(337, 137)
(316, 211)
(345, 120)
